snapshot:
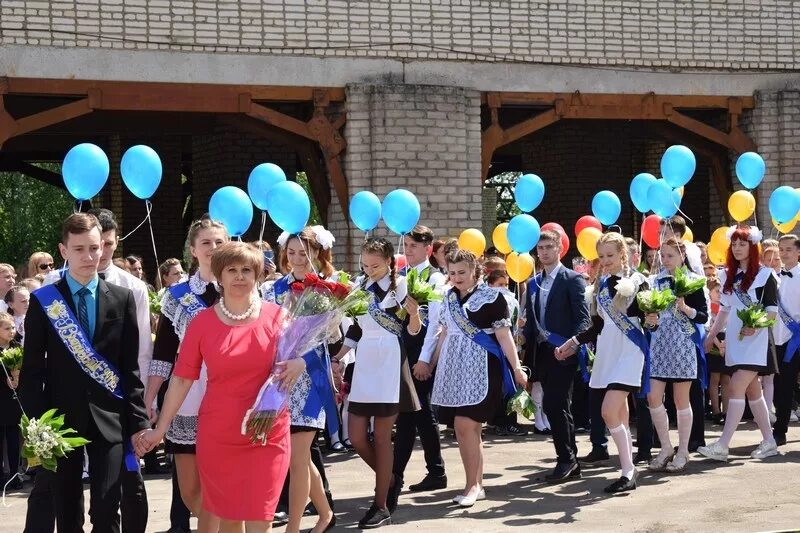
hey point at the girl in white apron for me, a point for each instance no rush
(744, 282)
(621, 351)
(381, 386)
(674, 358)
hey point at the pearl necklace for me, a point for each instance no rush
(248, 312)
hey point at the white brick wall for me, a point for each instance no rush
(422, 138)
(746, 34)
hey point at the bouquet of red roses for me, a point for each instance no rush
(311, 315)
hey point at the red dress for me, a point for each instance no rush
(238, 480)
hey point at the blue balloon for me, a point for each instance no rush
(606, 207)
(400, 211)
(523, 233)
(141, 171)
(85, 170)
(784, 202)
(231, 206)
(529, 192)
(678, 165)
(288, 206)
(261, 180)
(365, 210)
(750, 168)
(663, 200)
(639, 186)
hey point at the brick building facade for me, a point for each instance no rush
(415, 76)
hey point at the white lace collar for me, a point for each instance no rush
(198, 285)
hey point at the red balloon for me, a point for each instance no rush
(564, 244)
(587, 221)
(400, 261)
(651, 231)
(553, 226)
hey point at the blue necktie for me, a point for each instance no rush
(83, 310)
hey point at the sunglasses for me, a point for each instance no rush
(45, 266)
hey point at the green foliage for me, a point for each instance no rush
(686, 284)
(754, 316)
(521, 403)
(31, 213)
(11, 358)
(155, 302)
(654, 300)
(314, 218)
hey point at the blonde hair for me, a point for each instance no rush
(35, 259)
(618, 240)
(308, 238)
(236, 253)
(6, 318)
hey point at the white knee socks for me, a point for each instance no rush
(761, 416)
(684, 430)
(732, 419)
(537, 395)
(624, 448)
(768, 386)
(661, 425)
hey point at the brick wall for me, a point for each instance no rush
(746, 34)
(226, 156)
(422, 138)
(774, 125)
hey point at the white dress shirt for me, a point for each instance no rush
(544, 293)
(116, 276)
(693, 257)
(789, 294)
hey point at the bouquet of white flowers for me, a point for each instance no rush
(45, 439)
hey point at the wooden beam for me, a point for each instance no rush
(10, 163)
(320, 190)
(7, 123)
(273, 93)
(624, 100)
(739, 144)
(58, 114)
(279, 120)
(723, 182)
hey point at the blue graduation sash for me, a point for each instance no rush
(793, 326)
(79, 346)
(318, 368)
(557, 340)
(188, 300)
(626, 326)
(387, 321)
(693, 331)
(482, 339)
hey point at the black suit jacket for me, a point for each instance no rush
(51, 378)
(566, 312)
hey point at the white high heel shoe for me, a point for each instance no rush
(469, 501)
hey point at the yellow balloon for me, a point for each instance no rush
(786, 227)
(717, 254)
(519, 266)
(587, 242)
(500, 238)
(741, 205)
(688, 235)
(472, 240)
(719, 238)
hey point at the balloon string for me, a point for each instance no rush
(153, 240)
(148, 206)
(308, 255)
(263, 227)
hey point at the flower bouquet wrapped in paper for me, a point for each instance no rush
(311, 315)
(45, 440)
(11, 359)
(654, 300)
(754, 316)
(521, 403)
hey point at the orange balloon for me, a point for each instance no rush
(741, 205)
(519, 266)
(472, 240)
(717, 254)
(587, 242)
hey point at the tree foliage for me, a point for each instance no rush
(31, 213)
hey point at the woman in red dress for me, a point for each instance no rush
(236, 339)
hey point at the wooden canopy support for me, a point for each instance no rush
(227, 101)
(558, 106)
(9, 163)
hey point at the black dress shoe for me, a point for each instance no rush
(429, 482)
(545, 431)
(597, 455)
(623, 484)
(330, 526)
(642, 457)
(564, 471)
(694, 444)
(375, 517)
(280, 518)
(780, 440)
